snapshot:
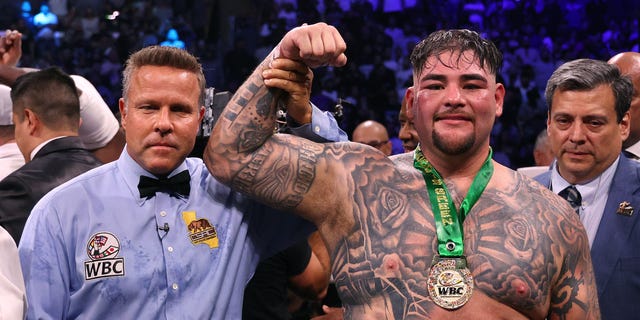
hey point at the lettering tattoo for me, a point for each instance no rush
(276, 179)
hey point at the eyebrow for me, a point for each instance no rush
(464, 77)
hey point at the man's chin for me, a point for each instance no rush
(160, 168)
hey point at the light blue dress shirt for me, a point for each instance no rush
(93, 249)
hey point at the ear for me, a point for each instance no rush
(33, 122)
(408, 95)
(499, 96)
(123, 113)
(625, 126)
(202, 111)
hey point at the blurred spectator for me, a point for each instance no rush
(25, 12)
(45, 19)
(629, 65)
(407, 132)
(173, 40)
(542, 156)
(374, 134)
(111, 68)
(239, 62)
(59, 8)
(90, 23)
(46, 113)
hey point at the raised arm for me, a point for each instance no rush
(243, 150)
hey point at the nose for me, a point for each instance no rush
(163, 121)
(576, 133)
(453, 97)
(403, 133)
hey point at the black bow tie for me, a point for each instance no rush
(176, 185)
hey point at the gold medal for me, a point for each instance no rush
(450, 283)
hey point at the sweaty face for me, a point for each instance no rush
(456, 104)
(161, 117)
(407, 132)
(584, 134)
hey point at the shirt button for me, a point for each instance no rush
(163, 213)
(317, 129)
(174, 286)
(170, 249)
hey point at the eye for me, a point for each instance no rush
(183, 109)
(471, 86)
(595, 123)
(435, 86)
(147, 107)
(562, 122)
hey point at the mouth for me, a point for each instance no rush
(161, 146)
(452, 118)
(576, 154)
(408, 147)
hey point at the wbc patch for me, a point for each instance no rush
(103, 249)
(201, 231)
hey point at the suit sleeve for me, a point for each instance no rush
(16, 202)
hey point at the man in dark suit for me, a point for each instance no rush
(46, 115)
(588, 119)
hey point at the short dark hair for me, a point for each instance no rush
(51, 94)
(163, 56)
(587, 74)
(460, 41)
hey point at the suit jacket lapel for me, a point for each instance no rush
(614, 229)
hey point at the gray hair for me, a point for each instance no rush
(587, 74)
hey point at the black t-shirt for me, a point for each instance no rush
(265, 297)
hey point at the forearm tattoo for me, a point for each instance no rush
(280, 178)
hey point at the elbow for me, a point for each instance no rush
(217, 164)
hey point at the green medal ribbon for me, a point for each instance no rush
(448, 220)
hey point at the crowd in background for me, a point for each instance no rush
(93, 38)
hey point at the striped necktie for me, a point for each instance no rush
(572, 195)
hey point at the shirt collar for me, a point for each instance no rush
(587, 190)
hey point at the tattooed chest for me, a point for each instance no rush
(390, 251)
